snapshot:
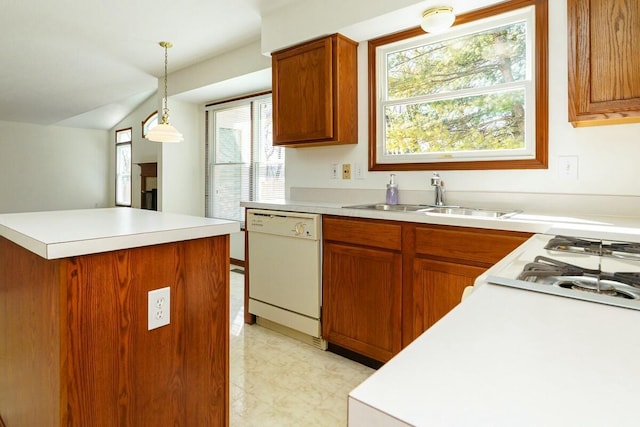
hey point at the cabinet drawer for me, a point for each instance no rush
(466, 244)
(377, 234)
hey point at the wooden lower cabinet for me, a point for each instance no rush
(362, 299)
(362, 285)
(386, 282)
(437, 289)
(445, 261)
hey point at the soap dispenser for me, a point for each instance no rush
(392, 191)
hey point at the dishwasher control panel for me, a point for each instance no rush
(293, 224)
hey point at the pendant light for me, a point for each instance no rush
(437, 19)
(164, 132)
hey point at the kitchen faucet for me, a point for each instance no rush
(438, 183)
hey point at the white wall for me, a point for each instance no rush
(237, 245)
(181, 165)
(357, 19)
(607, 155)
(53, 168)
(209, 77)
(142, 151)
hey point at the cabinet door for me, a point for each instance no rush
(437, 289)
(604, 65)
(302, 93)
(362, 295)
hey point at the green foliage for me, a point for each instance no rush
(431, 117)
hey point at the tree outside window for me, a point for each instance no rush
(458, 99)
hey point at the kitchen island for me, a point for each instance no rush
(75, 348)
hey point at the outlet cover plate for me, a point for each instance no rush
(159, 308)
(346, 171)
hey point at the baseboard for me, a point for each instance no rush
(356, 357)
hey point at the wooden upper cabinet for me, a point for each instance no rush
(315, 93)
(604, 65)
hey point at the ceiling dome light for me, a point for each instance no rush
(437, 19)
(164, 132)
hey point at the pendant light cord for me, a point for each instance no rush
(165, 100)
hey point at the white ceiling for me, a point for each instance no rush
(88, 63)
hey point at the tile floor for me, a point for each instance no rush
(277, 381)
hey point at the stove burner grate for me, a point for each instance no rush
(583, 286)
(623, 250)
(551, 272)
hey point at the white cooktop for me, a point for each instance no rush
(507, 273)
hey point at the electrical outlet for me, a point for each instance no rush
(346, 171)
(333, 171)
(159, 308)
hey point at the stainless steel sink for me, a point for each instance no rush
(459, 210)
(386, 207)
(438, 210)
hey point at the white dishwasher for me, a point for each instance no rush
(285, 285)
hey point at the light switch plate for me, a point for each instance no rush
(358, 172)
(568, 167)
(333, 170)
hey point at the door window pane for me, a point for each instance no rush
(242, 162)
(123, 167)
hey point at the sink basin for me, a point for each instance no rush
(458, 210)
(386, 207)
(438, 210)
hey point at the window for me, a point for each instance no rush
(123, 167)
(242, 163)
(149, 123)
(474, 97)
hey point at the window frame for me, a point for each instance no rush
(540, 75)
(147, 120)
(210, 129)
(117, 146)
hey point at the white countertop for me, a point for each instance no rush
(60, 234)
(613, 228)
(505, 356)
(508, 357)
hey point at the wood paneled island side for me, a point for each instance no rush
(74, 345)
